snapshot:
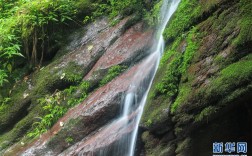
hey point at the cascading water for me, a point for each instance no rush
(136, 96)
(131, 105)
(119, 137)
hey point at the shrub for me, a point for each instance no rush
(56, 105)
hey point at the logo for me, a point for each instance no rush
(218, 147)
(230, 149)
(241, 147)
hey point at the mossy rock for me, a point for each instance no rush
(215, 80)
(20, 128)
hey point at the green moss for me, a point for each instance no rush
(152, 145)
(156, 114)
(50, 78)
(188, 11)
(15, 103)
(69, 140)
(44, 80)
(205, 113)
(245, 23)
(169, 83)
(183, 91)
(56, 105)
(183, 95)
(174, 64)
(230, 78)
(183, 146)
(18, 131)
(152, 16)
(112, 73)
(236, 94)
(193, 43)
(73, 73)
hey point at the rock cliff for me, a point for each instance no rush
(201, 94)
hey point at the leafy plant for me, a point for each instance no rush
(69, 140)
(123, 7)
(3, 77)
(54, 108)
(56, 105)
(152, 16)
(3, 104)
(112, 73)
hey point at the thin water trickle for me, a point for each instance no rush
(167, 10)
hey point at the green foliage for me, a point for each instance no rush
(83, 88)
(169, 54)
(245, 23)
(152, 16)
(112, 73)
(124, 7)
(25, 24)
(3, 104)
(9, 48)
(69, 140)
(168, 85)
(187, 12)
(178, 64)
(192, 46)
(114, 8)
(51, 105)
(27, 28)
(184, 92)
(231, 77)
(3, 77)
(56, 105)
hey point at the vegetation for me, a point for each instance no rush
(245, 34)
(56, 105)
(30, 33)
(206, 66)
(152, 16)
(205, 113)
(231, 77)
(112, 73)
(179, 63)
(29, 28)
(174, 66)
(186, 14)
(30, 22)
(205, 73)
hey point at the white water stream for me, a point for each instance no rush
(135, 100)
(120, 136)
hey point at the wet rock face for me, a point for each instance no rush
(92, 49)
(211, 103)
(126, 50)
(85, 123)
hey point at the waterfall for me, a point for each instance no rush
(167, 10)
(119, 137)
